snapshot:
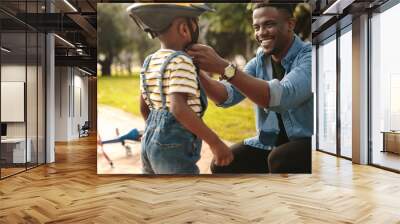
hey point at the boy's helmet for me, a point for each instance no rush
(154, 18)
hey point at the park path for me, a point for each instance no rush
(110, 118)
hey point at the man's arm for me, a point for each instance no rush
(224, 94)
(257, 90)
(189, 119)
(144, 109)
(295, 88)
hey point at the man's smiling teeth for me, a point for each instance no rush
(266, 41)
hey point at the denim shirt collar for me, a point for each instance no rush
(297, 44)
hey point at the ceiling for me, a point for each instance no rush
(74, 22)
(331, 15)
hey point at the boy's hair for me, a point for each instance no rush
(287, 8)
(169, 26)
(161, 34)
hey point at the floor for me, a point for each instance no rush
(10, 171)
(387, 159)
(7, 171)
(70, 191)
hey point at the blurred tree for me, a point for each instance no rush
(139, 45)
(302, 13)
(229, 29)
(110, 33)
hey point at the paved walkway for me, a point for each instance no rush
(110, 118)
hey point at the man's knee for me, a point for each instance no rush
(284, 163)
(214, 168)
(276, 164)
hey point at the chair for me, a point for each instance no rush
(84, 130)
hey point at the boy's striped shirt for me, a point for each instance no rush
(179, 77)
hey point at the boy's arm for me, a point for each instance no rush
(189, 119)
(215, 90)
(144, 109)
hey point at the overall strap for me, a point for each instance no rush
(162, 71)
(203, 98)
(143, 79)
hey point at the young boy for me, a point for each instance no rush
(172, 100)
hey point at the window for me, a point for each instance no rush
(327, 96)
(385, 86)
(22, 75)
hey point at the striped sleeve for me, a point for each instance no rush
(141, 85)
(182, 78)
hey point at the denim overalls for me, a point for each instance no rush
(167, 146)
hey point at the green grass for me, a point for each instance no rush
(233, 124)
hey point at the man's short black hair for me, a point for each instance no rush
(287, 8)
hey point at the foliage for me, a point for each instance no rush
(110, 35)
(138, 44)
(123, 42)
(229, 29)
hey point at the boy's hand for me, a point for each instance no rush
(222, 154)
(189, 119)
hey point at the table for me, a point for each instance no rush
(17, 150)
(391, 141)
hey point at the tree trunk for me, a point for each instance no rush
(106, 67)
(142, 57)
(129, 64)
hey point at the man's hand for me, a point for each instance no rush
(207, 59)
(257, 90)
(204, 74)
(222, 154)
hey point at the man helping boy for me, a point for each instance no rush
(172, 100)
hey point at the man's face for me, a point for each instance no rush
(272, 29)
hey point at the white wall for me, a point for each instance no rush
(61, 103)
(33, 126)
(71, 102)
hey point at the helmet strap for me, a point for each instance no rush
(193, 33)
(194, 36)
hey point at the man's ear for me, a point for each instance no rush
(291, 24)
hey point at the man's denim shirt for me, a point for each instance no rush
(292, 96)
